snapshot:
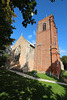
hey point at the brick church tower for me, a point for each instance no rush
(47, 57)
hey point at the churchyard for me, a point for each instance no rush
(15, 87)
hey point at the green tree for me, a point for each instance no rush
(5, 24)
(64, 60)
(4, 54)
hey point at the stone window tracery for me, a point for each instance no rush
(17, 52)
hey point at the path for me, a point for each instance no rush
(31, 77)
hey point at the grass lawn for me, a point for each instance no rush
(44, 76)
(15, 87)
(65, 73)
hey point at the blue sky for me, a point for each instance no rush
(45, 8)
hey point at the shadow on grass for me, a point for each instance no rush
(64, 97)
(41, 75)
(15, 87)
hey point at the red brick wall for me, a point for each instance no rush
(46, 51)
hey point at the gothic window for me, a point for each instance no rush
(17, 52)
(17, 57)
(44, 26)
(16, 60)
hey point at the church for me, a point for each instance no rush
(43, 56)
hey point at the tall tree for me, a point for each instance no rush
(5, 24)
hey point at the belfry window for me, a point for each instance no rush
(44, 26)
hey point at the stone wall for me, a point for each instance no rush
(22, 54)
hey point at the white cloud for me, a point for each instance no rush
(34, 32)
(33, 42)
(62, 50)
(29, 36)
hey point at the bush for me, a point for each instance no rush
(64, 60)
(3, 59)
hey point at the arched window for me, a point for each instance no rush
(44, 26)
